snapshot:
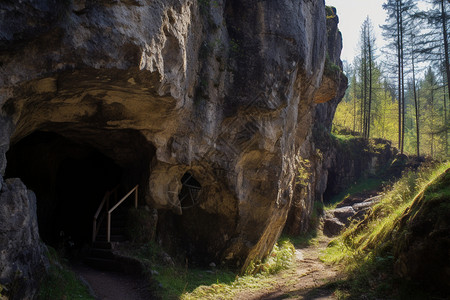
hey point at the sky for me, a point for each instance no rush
(352, 14)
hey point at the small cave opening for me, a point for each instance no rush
(71, 171)
(190, 191)
(199, 234)
(330, 190)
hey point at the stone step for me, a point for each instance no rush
(101, 245)
(114, 230)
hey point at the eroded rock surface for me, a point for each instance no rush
(22, 259)
(318, 153)
(222, 91)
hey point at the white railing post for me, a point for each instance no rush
(136, 196)
(108, 232)
(94, 230)
(110, 210)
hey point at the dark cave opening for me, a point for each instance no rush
(198, 236)
(330, 190)
(71, 172)
(69, 180)
(190, 191)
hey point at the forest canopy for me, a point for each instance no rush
(401, 92)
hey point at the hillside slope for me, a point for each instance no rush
(401, 249)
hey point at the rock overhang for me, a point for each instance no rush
(127, 67)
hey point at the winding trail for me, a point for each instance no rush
(306, 280)
(113, 285)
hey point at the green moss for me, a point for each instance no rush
(371, 248)
(61, 282)
(331, 69)
(186, 282)
(330, 12)
(279, 259)
(361, 186)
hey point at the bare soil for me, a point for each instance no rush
(306, 280)
(113, 285)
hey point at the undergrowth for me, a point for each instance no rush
(365, 248)
(185, 282)
(61, 282)
(360, 186)
(257, 275)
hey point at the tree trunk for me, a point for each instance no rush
(354, 103)
(370, 86)
(403, 78)
(416, 102)
(399, 77)
(445, 37)
(447, 69)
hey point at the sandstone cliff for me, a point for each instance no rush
(319, 153)
(222, 92)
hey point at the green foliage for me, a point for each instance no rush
(174, 280)
(304, 172)
(330, 12)
(140, 226)
(279, 259)
(331, 69)
(214, 283)
(303, 240)
(433, 119)
(234, 47)
(61, 282)
(360, 186)
(366, 248)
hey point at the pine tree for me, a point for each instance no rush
(395, 31)
(367, 42)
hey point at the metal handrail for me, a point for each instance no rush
(94, 229)
(108, 230)
(105, 199)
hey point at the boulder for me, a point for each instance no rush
(344, 214)
(332, 227)
(22, 259)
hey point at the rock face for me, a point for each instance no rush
(218, 91)
(333, 166)
(318, 152)
(22, 259)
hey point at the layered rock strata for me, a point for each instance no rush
(220, 91)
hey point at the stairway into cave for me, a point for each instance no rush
(70, 175)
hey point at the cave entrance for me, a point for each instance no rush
(71, 173)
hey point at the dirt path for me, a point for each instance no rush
(304, 281)
(113, 285)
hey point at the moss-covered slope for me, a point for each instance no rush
(421, 242)
(401, 249)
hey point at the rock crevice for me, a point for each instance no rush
(224, 90)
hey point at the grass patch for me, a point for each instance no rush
(185, 282)
(280, 259)
(367, 249)
(343, 138)
(61, 282)
(303, 240)
(361, 186)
